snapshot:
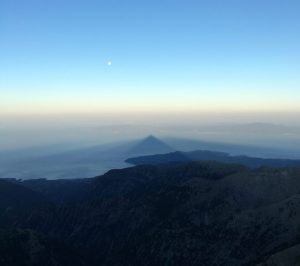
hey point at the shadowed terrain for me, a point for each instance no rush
(194, 213)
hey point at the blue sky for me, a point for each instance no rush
(213, 55)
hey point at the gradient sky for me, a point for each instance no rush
(213, 55)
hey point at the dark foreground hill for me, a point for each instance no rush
(26, 248)
(195, 213)
(202, 155)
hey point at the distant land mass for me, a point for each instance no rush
(178, 156)
(98, 159)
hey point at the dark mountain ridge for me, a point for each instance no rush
(193, 213)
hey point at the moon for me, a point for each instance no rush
(109, 63)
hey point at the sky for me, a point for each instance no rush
(119, 56)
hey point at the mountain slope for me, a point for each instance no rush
(195, 213)
(29, 248)
(18, 203)
(286, 257)
(58, 191)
